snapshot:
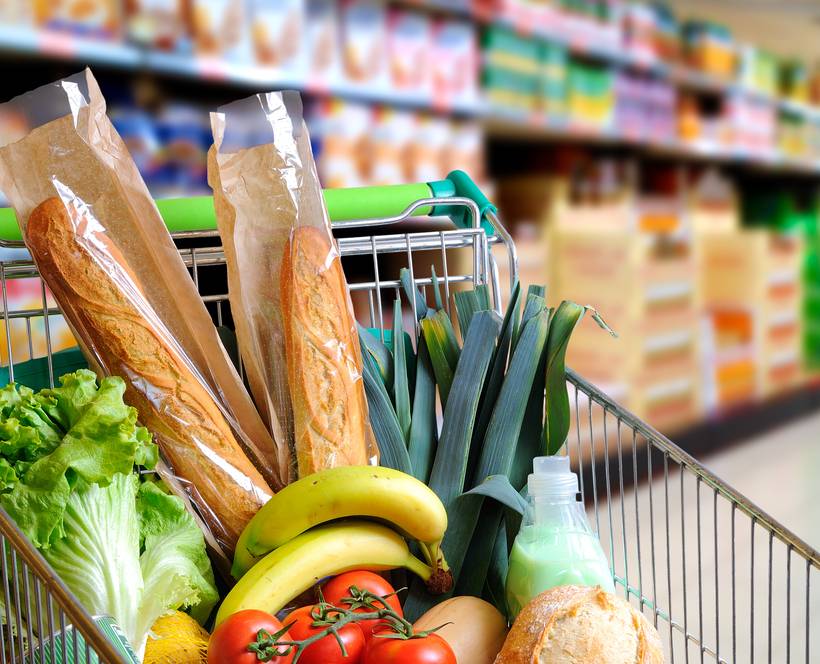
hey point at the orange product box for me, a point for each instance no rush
(100, 18)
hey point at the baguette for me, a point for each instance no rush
(323, 356)
(578, 624)
(106, 306)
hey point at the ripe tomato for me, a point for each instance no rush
(339, 587)
(431, 649)
(326, 650)
(229, 642)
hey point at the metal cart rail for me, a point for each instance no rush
(724, 582)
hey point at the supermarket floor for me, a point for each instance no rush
(712, 568)
(780, 472)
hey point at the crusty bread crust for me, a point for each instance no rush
(529, 636)
(323, 356)
(109, 310)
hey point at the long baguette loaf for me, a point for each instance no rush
(107, 307)
(323, 356)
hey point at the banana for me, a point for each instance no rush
(323, 551)
(347, 491)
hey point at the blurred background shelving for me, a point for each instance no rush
(658, 161)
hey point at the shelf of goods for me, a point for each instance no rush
(548, 72)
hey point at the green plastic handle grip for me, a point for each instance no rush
(196, 213)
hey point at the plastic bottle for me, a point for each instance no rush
(555, 546)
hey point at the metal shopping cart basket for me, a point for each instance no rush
(722, 580)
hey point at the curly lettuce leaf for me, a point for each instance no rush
(120, 542)
(99, 558)
(57, 436)
(175, 567)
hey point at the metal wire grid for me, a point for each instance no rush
(668, 560)
(722, 580)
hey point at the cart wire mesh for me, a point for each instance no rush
(720, 579)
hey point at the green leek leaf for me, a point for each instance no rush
(495, 378)
(556, 426)
(501, 438)
(533, 305)
(495, 586)
(411, 291)
(422, 445)
(383, 420)
(498, 487)
(375, 348)
(472, 578)
(401, 388)
(441, 343)
(436, 289)
(450, 467)
(468, 303)
(530, 440)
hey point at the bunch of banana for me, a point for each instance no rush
(285, 549)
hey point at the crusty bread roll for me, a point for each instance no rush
(108, 309)
(580, 625)
(323, 356)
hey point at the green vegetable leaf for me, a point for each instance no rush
(505, 425)
(383, 420)
(438, 334)
(495, 379)
(175, 566)
(401, 390)
(376, 349)
(498, 488)
(101, 439)
(436, 289)
(470, 302)
(422, 445)
(123, 546)
(412, 292)
(450, 467)
(556, 426)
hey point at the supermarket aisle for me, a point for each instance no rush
(780, 472)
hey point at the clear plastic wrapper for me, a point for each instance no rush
(289, 298)
(103, 250)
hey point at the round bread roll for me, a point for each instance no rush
(580, 625)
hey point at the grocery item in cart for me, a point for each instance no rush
(289, 298)
(578, 624)
(555, 546)
(77, 481)
(103, 249)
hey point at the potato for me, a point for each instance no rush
(476, 630)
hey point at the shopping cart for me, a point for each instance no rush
(723, 581)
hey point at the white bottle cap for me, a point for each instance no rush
(552, 477)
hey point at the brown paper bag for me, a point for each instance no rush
(103, 249)
(291, 305)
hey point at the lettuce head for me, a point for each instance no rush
(70, 462)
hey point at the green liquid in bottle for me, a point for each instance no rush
(545, 557)
(555, 545)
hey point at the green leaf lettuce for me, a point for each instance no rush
(125, 547)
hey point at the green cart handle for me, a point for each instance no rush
(197, 213)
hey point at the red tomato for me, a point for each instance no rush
(325, 650)
(431, 649)
(338, 588)
(229, 642)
